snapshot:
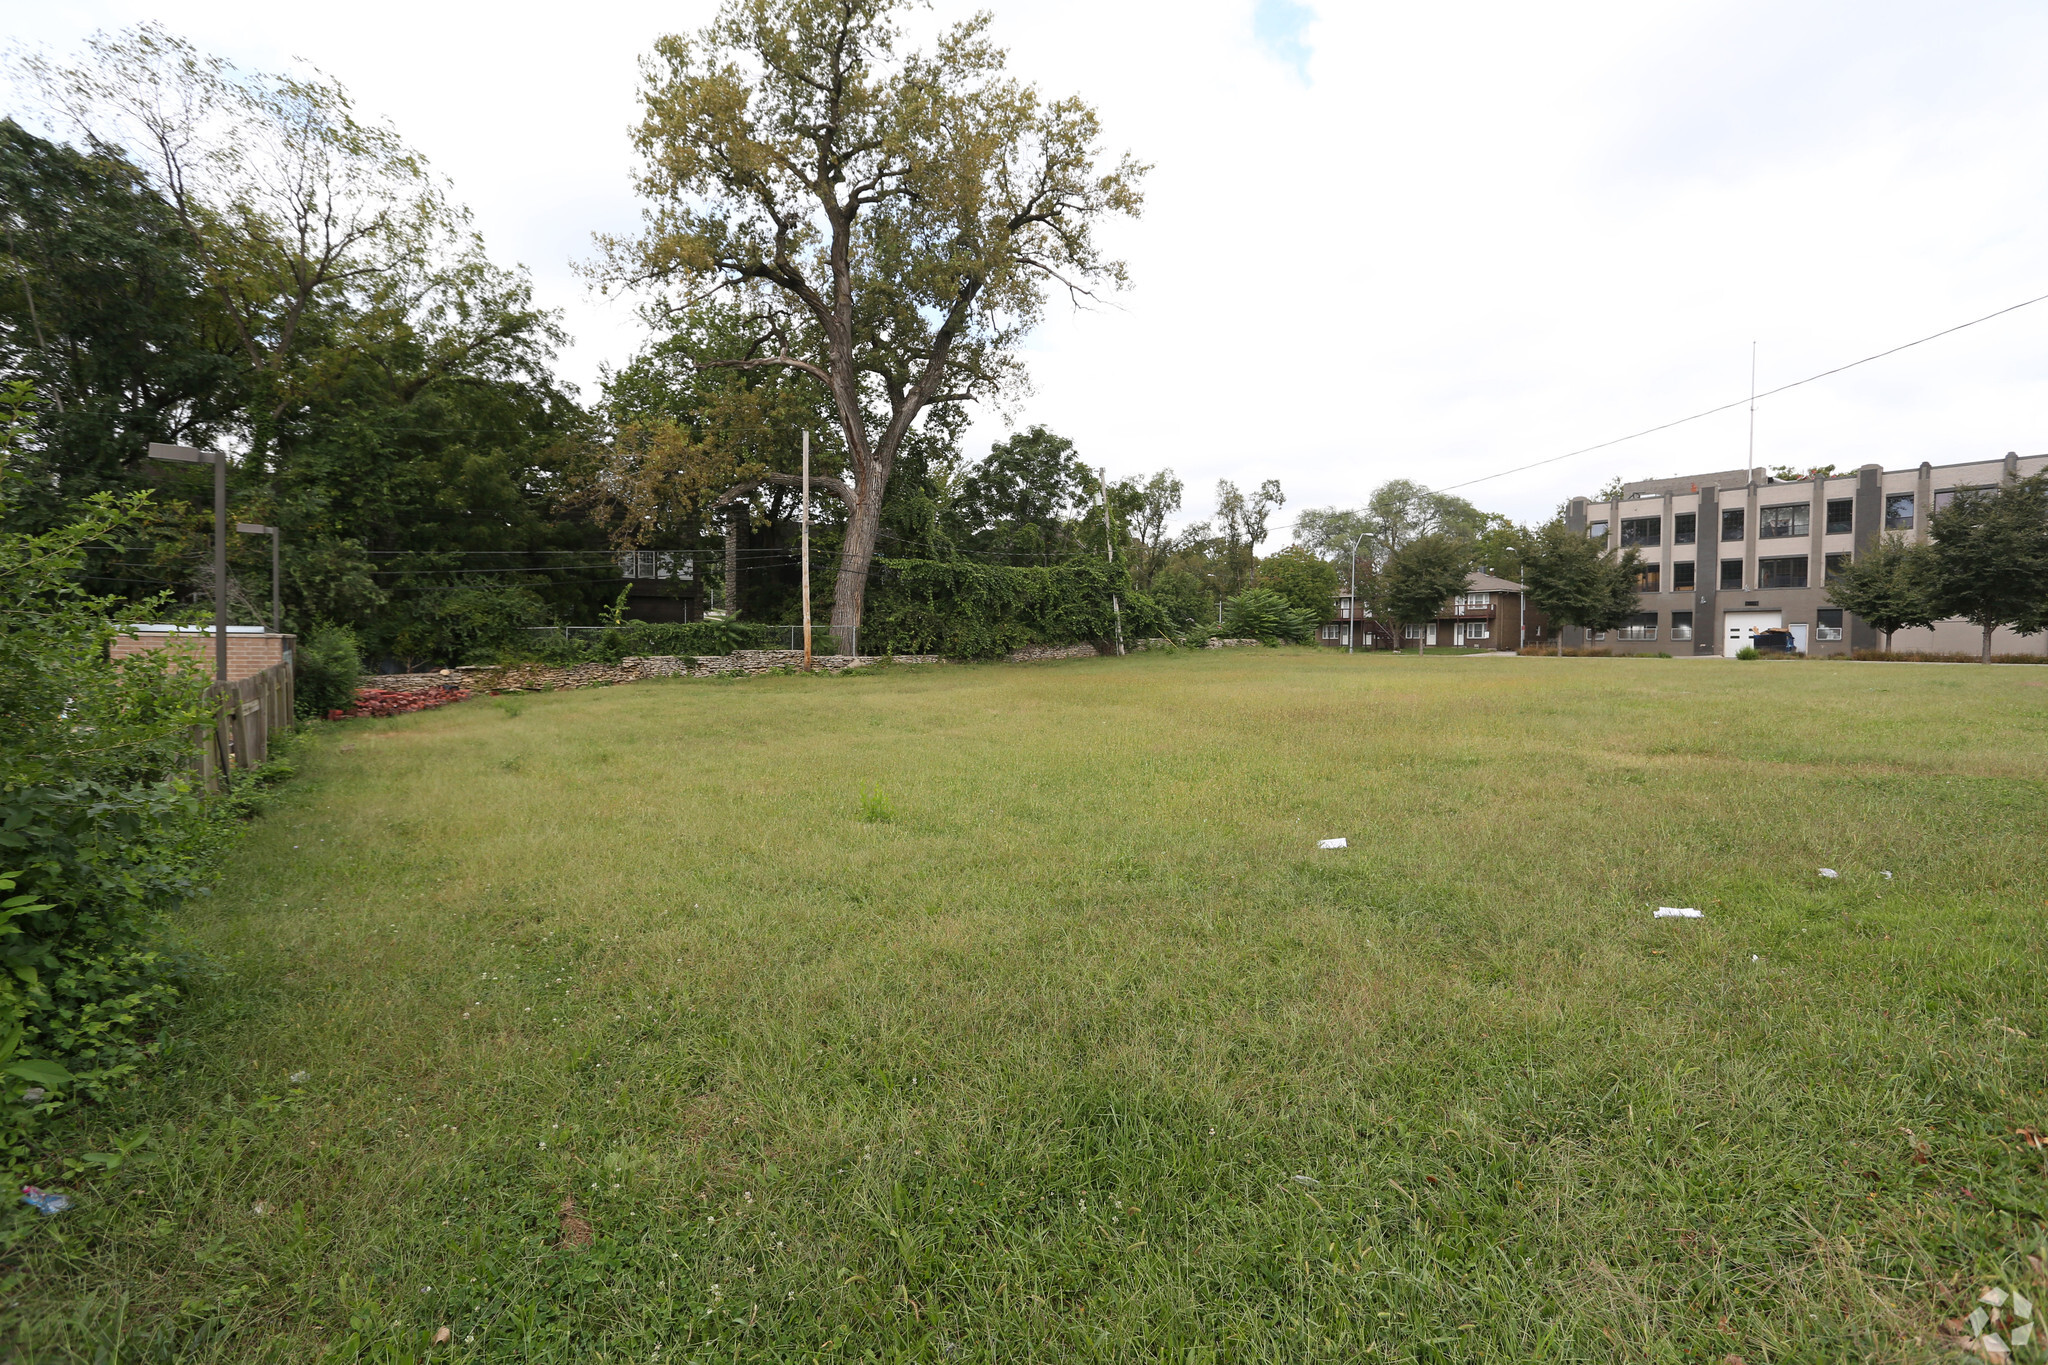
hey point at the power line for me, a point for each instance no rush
(1824, 374)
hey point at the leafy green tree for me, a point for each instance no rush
(277, 277)
(1308, 582)
(1262, 614)
(1886, 585)
(105, 314)
(1988, 558)
(1572, 580)
(1243, 518)
(1421, 577)
(1156, 502)
(287, 202)
(1019, 502)
(1184, 598)
(1398, 512)
(891, 223)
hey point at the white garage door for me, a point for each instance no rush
(1738, 626)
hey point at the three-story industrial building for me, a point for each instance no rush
(1730, 554)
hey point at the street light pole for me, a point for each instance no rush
(276, 609)
(187, 455)
(1351, 618)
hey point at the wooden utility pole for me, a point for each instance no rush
(807, 551)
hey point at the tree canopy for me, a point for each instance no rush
(1421, 577)
(1886, 585)
(1571, 579)
(889, 222)
(1987, 558)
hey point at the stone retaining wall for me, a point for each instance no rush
(740, 663)
(1032, 653)
(558, 677)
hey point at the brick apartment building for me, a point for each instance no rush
(1729, 554)
(1492, 613)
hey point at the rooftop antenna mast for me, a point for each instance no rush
(1752, 406)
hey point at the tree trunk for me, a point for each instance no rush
(1887, 642)
(1560, 642)
(1987, 642)
(850, 591)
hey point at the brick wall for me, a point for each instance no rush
(248, 653)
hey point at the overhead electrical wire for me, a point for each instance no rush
(1750, 398)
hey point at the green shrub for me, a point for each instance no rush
(327, 671)
(1748, 652)
(100, 832)
(968, 610)
(1261, 614)
(469, 621)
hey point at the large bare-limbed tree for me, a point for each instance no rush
(891, 222)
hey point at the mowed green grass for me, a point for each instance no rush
(1010, 1013)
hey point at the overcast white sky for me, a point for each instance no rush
(1384, 240)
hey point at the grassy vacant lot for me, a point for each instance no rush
(1011, 1013)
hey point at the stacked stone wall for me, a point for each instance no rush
(535, 677)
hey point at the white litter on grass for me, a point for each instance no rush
(1333, 843)
(1887, 876)
(1677, 912)
(1308, 1180)
(1829, 872)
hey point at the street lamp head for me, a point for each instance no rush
(182, 454)
(251, 528)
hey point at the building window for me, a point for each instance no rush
(1827, 623)
(1731, 523)
(1781, 573)
(1685, 528)
(1476, 630)
(1898, 512)
(1597, 530)
(1836, 563)
(1599, 635)
(1731, 575)
(1411, 632)
(1475, 599)
(1683, 576)
(1841, 516)
(1681, 625)
(1944, 496)
(1329, 632)
(1642, 531)
(1647, 577)
(1778, 523)
(1641, 626)
(654, 564)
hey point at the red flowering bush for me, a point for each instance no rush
(385, 701)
